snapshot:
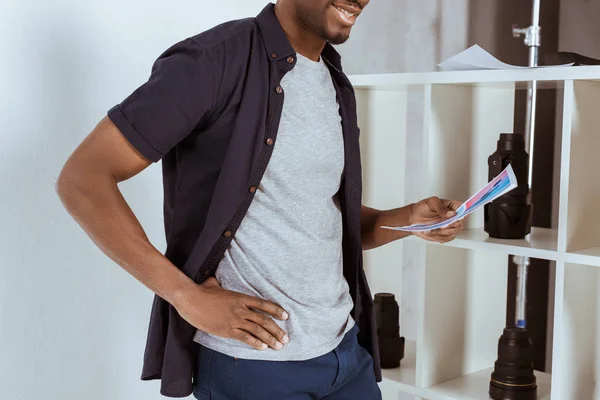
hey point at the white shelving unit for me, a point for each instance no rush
(461, 286)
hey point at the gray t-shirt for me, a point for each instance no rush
(288, 248)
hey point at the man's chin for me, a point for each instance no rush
(338, 38)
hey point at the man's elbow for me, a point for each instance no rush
(66, 183)
(73, 181)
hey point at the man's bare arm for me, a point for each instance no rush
(88, 188)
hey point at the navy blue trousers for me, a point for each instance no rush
(346, 373)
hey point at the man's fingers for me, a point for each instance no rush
(262, 334)
(436, 205)
(441, 235)
(440, 239)
(458, 224)
(455, 227)
(449, 231)
(249, 339)
(266, 306)
(451, 204)
(268, 325)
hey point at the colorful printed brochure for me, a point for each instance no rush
(499, 186)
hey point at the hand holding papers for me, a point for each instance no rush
(499, 186)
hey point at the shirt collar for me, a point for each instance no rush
(277, 44)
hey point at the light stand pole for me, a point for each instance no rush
(533, 41)
(513, 377)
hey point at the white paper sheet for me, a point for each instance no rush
(476, 58)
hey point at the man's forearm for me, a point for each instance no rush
(98, 206)
(371, 221)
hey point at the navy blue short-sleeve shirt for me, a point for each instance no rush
(210, 112)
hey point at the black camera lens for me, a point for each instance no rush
(510, 216)
(391, 345)
(513, 377)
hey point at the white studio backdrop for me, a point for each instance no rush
(72, 324)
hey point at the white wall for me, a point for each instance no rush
(72, 324)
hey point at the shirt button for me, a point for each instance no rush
(279, 89)
(227, 234)
(269, 142)
(274, 55)
(252, 189)
(290, 60)
(206, 273)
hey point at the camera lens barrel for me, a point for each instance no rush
(513, 377)
(510, 216)
(391, 345)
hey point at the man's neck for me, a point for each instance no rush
(304, 41)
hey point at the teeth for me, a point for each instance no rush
(346, 12)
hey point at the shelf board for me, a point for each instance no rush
(584, 257)
(403, 379)
(476, 386)
(541, 243)
(469, 387)
(481, 77)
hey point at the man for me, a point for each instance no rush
(261, 292)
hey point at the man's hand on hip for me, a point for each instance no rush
(214, 310)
